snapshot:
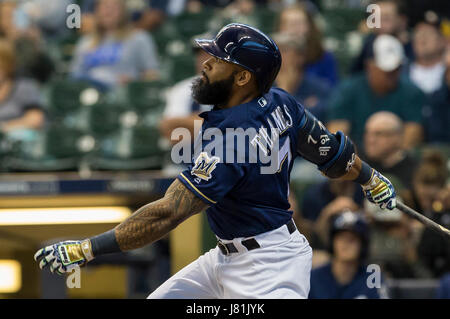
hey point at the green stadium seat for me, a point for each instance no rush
(105, 118)
(55, 148)
(189, 25)
(67, 96)
(163, 35)
(181, 67)
(266, 19)
(131, 148)
(340, 21)
(145, 96)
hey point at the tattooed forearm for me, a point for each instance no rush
(154, 220)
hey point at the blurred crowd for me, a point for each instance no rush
(108, 94)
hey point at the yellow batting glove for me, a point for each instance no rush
(65, 256)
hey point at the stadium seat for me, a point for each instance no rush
(189, 25)
(4, 150)
(164, 34)
(266, 19)
(130, 148)
(145, 96)
(55, 148)
(181, 67)
(67, 96)
(105, 118)
(340, 21)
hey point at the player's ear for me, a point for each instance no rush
(242, 77)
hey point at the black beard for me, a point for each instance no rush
(217, 93)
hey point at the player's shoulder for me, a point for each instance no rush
(278, 97)
(279, 92)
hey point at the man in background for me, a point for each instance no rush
(308, 89)
(427, 68)
(379, 88)
(383, 147)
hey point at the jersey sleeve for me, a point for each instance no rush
(210, 179)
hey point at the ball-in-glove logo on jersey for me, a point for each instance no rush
(204, 166)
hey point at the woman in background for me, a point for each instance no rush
(20, 100)
(115, 53)
(296, 20)
(31, 58)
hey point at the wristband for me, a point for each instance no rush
(365, 174)
(86, 248)
(105, 243)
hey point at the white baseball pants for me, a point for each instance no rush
(280, 268)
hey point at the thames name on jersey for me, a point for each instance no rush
(264, 142)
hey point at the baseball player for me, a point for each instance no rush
(260, 253)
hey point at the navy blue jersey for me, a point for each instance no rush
(325, 286)
(244, 199)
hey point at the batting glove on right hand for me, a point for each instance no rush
(379, 190)
(64, 256)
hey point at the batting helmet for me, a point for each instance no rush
(354, 222)
(248, 47)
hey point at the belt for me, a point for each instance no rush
(250, 244)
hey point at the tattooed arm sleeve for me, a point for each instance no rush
(154, 220)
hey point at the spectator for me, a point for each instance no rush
(443, 291)
(431, 197)
(48, 15)
(393, 21)
(346, 276)
(324, 200)
(144, 14)
(297, 21)
(31, 59)
(115, 53)
(437, 111)
(20, 103)
(309, 90)
(380, 88)
(393, 244)
(240, 11)
(429, 179)
(427, 68)
(181, 110)
(383, 147)
(152, 15)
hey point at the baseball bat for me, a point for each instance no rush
(423, 219)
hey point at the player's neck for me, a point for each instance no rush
(344, 271)
(240, 97)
